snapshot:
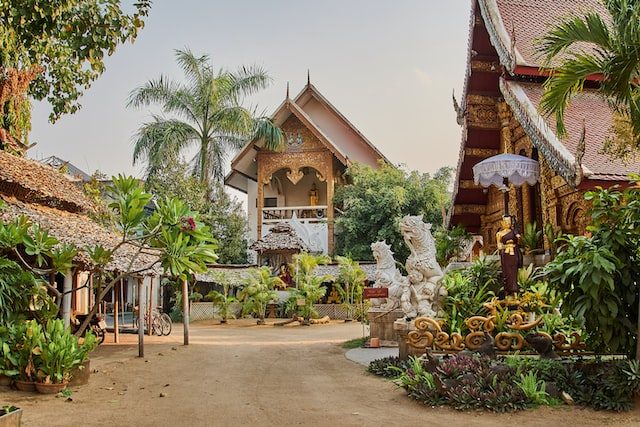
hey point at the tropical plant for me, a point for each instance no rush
(485, 271)
(534, 389)
(258, 291)
(222, 213)
(552, 236)
(450, 243)
(597, 276)
(29, 338)
(8, 350)
(465, 298)
(350, 285)
(61, 353)
(222, 300)
(309, 287)
(531, 237)
(206, 113)
(376, 199)
(613, 57)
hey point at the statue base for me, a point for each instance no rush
(402, 327)
(381, 325)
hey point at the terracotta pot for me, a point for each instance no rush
(374, 342)
(80, 375)
(5, 380)
(50, 388)
(25, 385)
(12, 419)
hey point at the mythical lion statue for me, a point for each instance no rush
(426, 293)
(388, 276)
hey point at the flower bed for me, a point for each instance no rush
(469, 381)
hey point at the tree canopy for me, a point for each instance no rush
(206, 113)
(223, 214)
(54, 49)
(377, 199)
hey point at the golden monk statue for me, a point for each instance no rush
(510, 256)
(313, 195)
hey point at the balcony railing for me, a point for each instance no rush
(305, 214)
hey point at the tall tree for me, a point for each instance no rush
(54, 49)
(588, 44)
(376, 201)
(206, 113)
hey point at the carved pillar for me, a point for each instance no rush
(546, 194)
(260, 196)
(330, 213)
(504, 114)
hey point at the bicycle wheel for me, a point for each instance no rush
(157, 326)
(165, 321)
(99, 333)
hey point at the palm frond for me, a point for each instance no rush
(249, 80)
(590, 28)
(265, 129)
(564, 83)
(194, 67)
(160, 139)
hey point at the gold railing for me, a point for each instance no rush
(429, 335)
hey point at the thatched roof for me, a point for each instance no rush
(281, 238)
(81, 231)
(237, 274)
(32, 182)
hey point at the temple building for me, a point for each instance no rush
(296, 184)
(499, 113)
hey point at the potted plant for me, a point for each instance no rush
(9, 367)
(530, 240)
(60, 354)
(29, 338)
(309, 287)
(350, 285)
(222, 300)
(259, 290)
(10, 416)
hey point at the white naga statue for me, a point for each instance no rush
(420, 293)
(387, 276)
(427, 294)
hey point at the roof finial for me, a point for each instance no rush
(308, 78)
(287, 90)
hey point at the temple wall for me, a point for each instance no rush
(551, 201)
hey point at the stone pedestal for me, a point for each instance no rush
(402, 328)
(381, 325)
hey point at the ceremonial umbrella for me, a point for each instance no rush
(505, 169)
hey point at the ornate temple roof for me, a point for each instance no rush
(326, 123)
(281, 238)
(502, 63)
(515, 25)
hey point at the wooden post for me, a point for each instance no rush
(150, 310)
(66, 298)
(116, 298)
(185, 310)
(141, 313)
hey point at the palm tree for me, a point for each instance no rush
(206, 112)
(259, 291)
(614, 54)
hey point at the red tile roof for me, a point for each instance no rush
(587, 107)
(527, 20)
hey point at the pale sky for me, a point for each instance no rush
(388, 66)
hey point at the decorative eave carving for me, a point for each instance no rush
(482, 112)
(468, 184)
(469, 209)
(480, 152)
(485, 66)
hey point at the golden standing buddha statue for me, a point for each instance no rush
(510, 255)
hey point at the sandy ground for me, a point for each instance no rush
(242, 374)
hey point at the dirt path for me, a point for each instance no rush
(248, 375)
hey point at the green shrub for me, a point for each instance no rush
(388, 367)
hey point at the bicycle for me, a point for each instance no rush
(160, 322)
